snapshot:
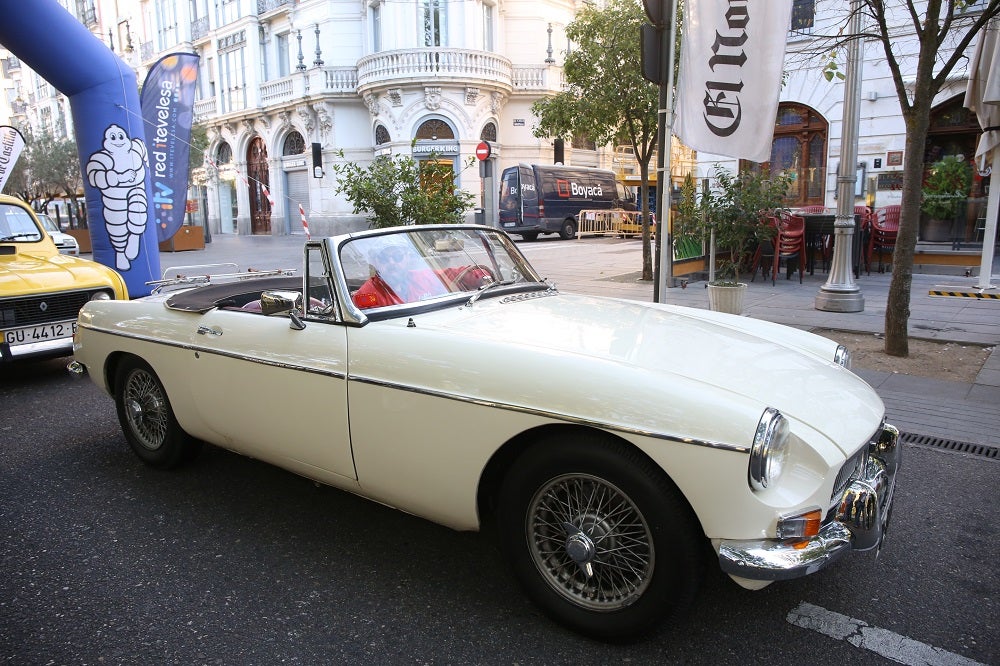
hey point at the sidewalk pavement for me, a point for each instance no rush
(947, 410)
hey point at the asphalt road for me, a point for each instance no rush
(231, 561)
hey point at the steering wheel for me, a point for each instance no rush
(457, 280)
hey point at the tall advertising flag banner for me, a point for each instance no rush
(730, 75)
(11, 145)
(167, 100)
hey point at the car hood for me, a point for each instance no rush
(31, 272)
(756, 364)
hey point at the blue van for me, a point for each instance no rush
(542, 199)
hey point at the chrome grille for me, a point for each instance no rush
(44, 308)
(849, 470)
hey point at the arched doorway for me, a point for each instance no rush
(435, 137)
(296, 179)
(799, 148)
(227, 189)
(257, 175)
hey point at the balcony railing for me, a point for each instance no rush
(264, 6)
(434, 64)
(272, 92)
(199, 28)
(204, 108)
(340, 80)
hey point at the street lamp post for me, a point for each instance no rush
(841, 293)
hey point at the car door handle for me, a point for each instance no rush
(209, 330)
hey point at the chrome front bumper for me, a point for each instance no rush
(857, 522)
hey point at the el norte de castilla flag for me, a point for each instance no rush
(11, 145)
(732, 53)
(167, 103)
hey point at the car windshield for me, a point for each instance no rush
(49, 224)
(16, 225)
(414, 264)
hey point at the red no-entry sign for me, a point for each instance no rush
(483, 150)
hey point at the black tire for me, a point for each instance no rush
(530, 236)
(632, 527)
(147, 420)
(568, 230)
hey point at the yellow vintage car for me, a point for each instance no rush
(42, 290)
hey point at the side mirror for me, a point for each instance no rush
(279, 302)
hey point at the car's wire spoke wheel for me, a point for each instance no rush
(146, 409)
(598, 536)
(590, 542)
(146, 418)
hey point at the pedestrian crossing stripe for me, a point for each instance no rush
(964, 294)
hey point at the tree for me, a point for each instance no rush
(944, 32)
(55, 168)
(607, 100)
(397, 190)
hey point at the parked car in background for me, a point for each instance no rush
(64, 242)
(606, 444)
(42, 290)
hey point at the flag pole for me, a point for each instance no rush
(664, 235)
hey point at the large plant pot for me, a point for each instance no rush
(933, 230)
(82, 237)
(726, 298)
(188, 237)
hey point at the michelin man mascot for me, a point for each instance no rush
(118, 171)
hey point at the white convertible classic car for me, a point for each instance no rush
(604, 442)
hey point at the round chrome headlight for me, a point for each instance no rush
(842, 356)
(101, 296)
(769, 450)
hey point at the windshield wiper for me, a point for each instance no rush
(14, 237)
(506, 283)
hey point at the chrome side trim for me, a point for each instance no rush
(557, 416)
(216, 352)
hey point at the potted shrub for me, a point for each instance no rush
(945, 191)
(732, 209)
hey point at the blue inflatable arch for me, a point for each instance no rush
(110, 136)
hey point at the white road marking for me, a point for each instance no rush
(880, 641)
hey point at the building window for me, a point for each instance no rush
(206, 78)
(281, 54)
(434, 22)
(381, 135)
(487, 27)
(166, 24)
(376, 15)
(799, 149)
(435, 129)
(294, 144)
(583, 142)
(489, 132)
(87, 13)
(803, 15)
(224, 154)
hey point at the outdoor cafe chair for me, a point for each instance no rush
(884, 227)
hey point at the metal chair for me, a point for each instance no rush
(884, 228)
(789, 244)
